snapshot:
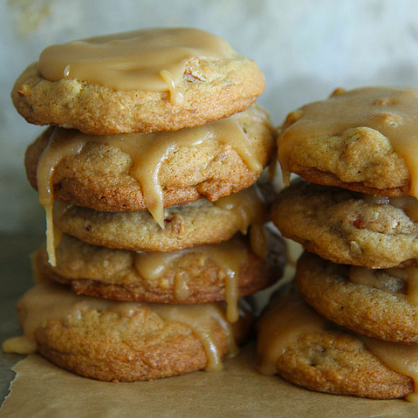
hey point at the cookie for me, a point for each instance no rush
(122, 341)
(102, 172)
(348, 227)
(309, 351)
(188, 78)
(377, 303)
(202, 274)
(189, 225)
(363, 140)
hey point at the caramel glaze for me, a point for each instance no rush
(251, 208)
(229, 256)
(367, 277)
(401, 358)
(286, 318)
(150, 60)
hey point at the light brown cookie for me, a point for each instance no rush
(122, 341)
(363, 140)
(94, 174)
(196, 223)
(371, 302)
(210, 87)
(201, 274)
(348, 227)
(309, 351)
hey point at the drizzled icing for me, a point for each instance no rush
(147, 152)
(367, 277)
(229, 256)
(286, 318)
(150, 60)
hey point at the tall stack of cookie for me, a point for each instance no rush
(360, 221)
(153, 165)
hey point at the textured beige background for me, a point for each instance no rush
(305, 47)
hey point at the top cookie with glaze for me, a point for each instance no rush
(364, 140)
(202, 80)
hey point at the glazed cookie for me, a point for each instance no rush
(122, 341)
(363, 140)
(196, 223)
(377, 303)
(348, 227)
(201, 274)
(144, 81)
(139, 171)
(309, 351)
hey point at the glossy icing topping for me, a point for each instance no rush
(388, 110)
(150, 59)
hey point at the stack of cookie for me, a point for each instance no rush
(152, 160)
(360, 221)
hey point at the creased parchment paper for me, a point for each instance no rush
(43, 390)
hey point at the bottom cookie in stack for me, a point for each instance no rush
(308, 350)
(125, 341)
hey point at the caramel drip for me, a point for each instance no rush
(401, 358)
(147, 152)
(410, 275)
(412, 295)
(287, 318)
(150, 60)
(175, 96)
(228, 256)
(57, 149)
(367, 277)
(196, 318)
(181, 287)
(20, 345)
(258, 239)
(46, 302)
(250, 207)
(363, 276)
(390, 111)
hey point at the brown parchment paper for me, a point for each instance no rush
(42, 390)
